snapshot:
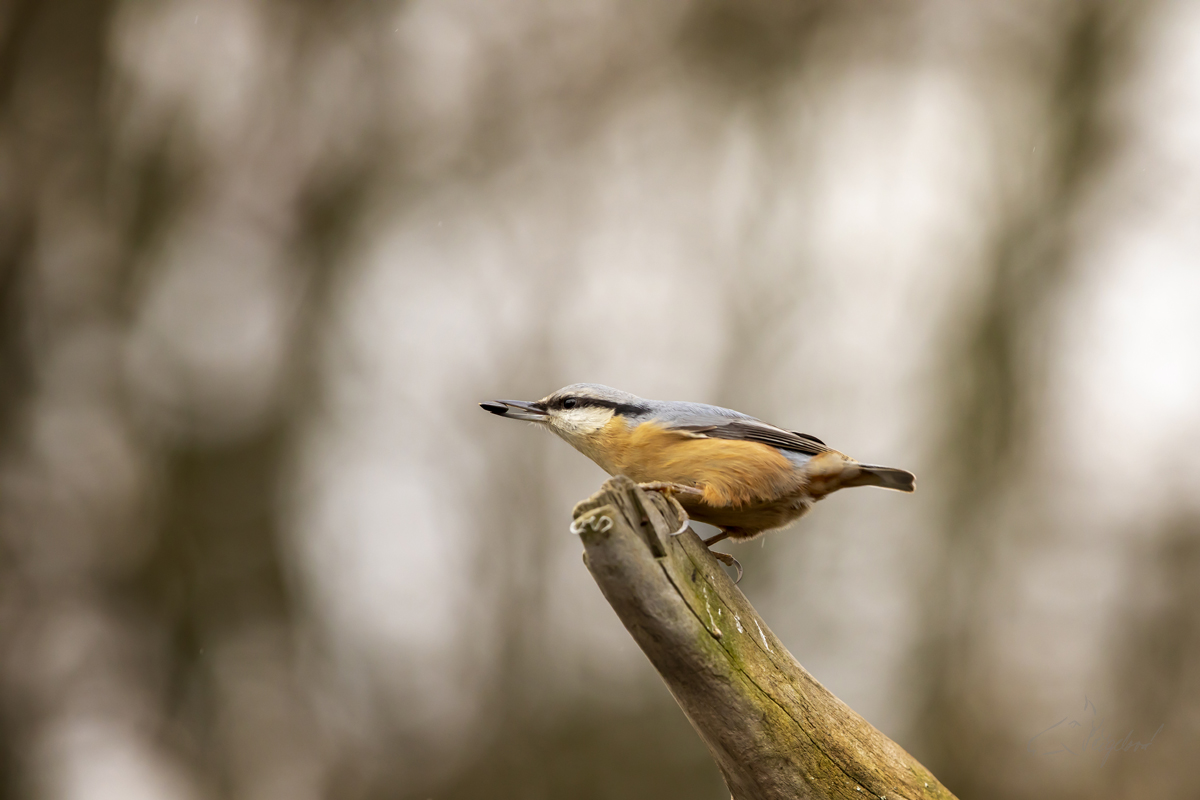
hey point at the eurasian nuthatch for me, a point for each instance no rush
(726, 468)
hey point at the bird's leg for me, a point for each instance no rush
(669, 490)
(729, 561)
(724, 558)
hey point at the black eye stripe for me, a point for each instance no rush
(624, 409)
(629, 409)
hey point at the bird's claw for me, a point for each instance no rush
(729, 561)
(668, 488)
(669, 491)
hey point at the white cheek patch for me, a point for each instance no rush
(582, 421)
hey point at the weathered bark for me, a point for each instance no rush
(774, 731)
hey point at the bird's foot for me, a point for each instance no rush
(728, 561)
(724, 558)
(669, 490)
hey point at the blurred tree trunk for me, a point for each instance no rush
(189, 566)
(52, 169)
(996, 381)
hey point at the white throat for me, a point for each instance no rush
(573, 422)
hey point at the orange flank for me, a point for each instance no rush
(731, 473)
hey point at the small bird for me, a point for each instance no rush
(738, 473)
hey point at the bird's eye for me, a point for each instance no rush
(569, 402)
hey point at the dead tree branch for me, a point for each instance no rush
(774, 731)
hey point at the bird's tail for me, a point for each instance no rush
(886, 477)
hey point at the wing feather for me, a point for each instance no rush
(753, 430)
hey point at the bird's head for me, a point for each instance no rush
(576, 412)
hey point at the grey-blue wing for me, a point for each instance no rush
(752, 430)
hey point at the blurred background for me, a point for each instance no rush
(259, 260)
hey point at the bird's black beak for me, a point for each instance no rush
(515, 409)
